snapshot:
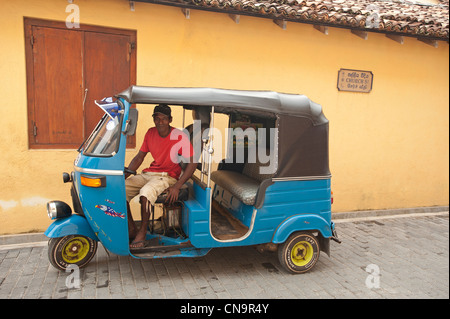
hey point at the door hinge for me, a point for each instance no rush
(32, 41)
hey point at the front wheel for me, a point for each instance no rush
(299, 253)
(71, 250)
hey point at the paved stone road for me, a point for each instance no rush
(400, 257)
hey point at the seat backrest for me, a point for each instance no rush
(252, 170)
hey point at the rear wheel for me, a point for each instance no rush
(71, 250)
(299, 253)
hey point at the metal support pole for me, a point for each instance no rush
(210, 146)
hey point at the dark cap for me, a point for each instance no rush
(163, 109)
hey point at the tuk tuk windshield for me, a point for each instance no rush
(104, 140)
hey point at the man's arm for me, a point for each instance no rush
(136, 162)
(173, 191)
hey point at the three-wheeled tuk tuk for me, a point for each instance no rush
(272, 188)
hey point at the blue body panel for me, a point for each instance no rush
(289, 206)
(196, 217)
(301, 222)
(295, 206)
(72, 225)
(105, 210)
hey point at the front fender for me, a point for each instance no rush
(300, 223)
(72, 225)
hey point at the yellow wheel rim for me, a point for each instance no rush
(75, 250)
(302, 253)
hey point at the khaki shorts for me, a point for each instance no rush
(148, 184)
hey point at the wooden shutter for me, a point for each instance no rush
(67, 69)
(58, 94)
(107, 56)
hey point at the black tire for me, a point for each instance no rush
(299, 253)
(71, 250)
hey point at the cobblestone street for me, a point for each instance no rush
(394, 257)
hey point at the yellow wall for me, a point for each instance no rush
(388, 148)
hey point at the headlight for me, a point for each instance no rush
(58, 209)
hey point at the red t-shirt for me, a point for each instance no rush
(165, 150)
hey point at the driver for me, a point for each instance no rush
(164, 143)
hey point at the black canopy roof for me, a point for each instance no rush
(228, 100)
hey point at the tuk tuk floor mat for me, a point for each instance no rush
(225, 226)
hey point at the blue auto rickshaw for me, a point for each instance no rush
(272, 189)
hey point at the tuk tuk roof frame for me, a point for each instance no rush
(228, 101)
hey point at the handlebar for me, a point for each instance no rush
(129, 171)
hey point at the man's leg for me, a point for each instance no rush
(132, 186)
(145, 215)
(148, 194)
(132, 231)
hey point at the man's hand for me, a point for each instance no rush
(172, 194)
(173, 191)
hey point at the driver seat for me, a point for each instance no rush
(182, 195)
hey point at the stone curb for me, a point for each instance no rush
(386, 212)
